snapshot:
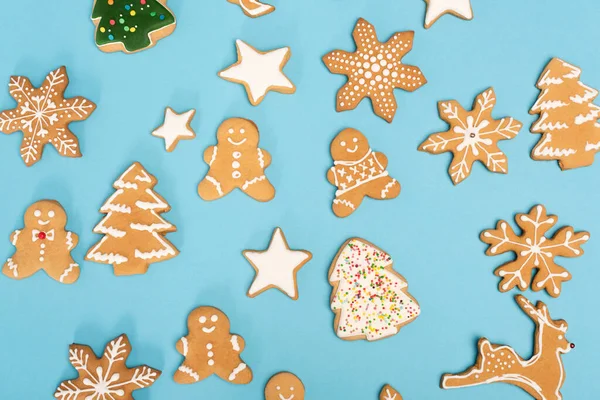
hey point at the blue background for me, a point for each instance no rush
(431, 230)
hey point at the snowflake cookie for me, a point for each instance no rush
(437, 8)
(284, 386)
(44, 115)
(534, 251)
(374, 70)
(107, 377)
(43, 244)
(568, 118)
(389, 393)
(209, 348)
(370, 300)
(254, 8)
(473, 136)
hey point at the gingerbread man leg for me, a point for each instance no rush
(236, 371)
(17, 268)
(259, 188)
(69, 274)
(384, 188)
(212, 188)
(188, 373)
(347, 203)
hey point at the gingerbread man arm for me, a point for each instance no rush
(331, 176)
(72, 240)
(264, 158)
(237, 343)
(182, 346)
(382, 158)
(209, 153)
(14, 236)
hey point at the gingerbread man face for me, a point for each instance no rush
(208, 320)
(349, 145)
(45, 215)
(284, 386)
(238, 133)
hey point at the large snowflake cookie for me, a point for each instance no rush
(357, 172)
(534, 251)
(254, 8)
(133, 229)
(374, 70)
(44, 115)
(473, 136)
(542, 376)
(236, 162)
(370, 300)
(107, 377)
(284, 386)
(209, 348)
(437, 8)
(43, 244)
(568, 118)
(131, 25)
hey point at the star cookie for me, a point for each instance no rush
(473, 136)
(374, 70)
(44, 115)
(277, 266)
(437, 8)
(259, 72)
(176, 127)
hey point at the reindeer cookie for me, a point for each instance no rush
(236, 162)
(43, 244)
(284, 386)
(357, 172)
(542, 376)
(210, 348)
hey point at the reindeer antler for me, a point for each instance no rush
(539, 313)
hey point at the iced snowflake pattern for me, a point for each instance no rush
(105, 378)
(534, 251)
(473, 136)
(43, 115)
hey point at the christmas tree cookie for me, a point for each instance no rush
(370, 300)
(568, 118)
(133, 230)
(131, 25)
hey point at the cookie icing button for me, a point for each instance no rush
(44, 115)
(107, 377)
(277, 266)
(542, 376)
(374, 70)
(437, 8)
(259, 72)
(254, 8)
(43, 244)
(284, 386)
(389, 393)
(473, 136)
(176, 127)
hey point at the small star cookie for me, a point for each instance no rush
(259, 72)
(437, 8)
(176, 127)
(374, 70)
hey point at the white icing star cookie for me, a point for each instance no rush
(260, 72)
(277, 266)
(437, 8)
(175, 127)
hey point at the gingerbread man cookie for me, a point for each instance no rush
(210, 349)
(357, 172)
(236, 162)
(43, 244)
(284, 386)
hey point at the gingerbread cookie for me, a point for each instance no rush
(284, 386)
(534, 251)
(175, 127)
(131, 25)
(133, 229)
(357, 172)
(277, 266)
(259, 72)
(473, 136)
(374, 70)
(236, 162)
(254, 8)
(370, 300)
(107, 377)
(389, 393)
(44, 115)
(542, 376)
(437, 8)
(209, 348)
(568, 117)
(43, 244)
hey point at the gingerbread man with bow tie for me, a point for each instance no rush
(43, 244)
